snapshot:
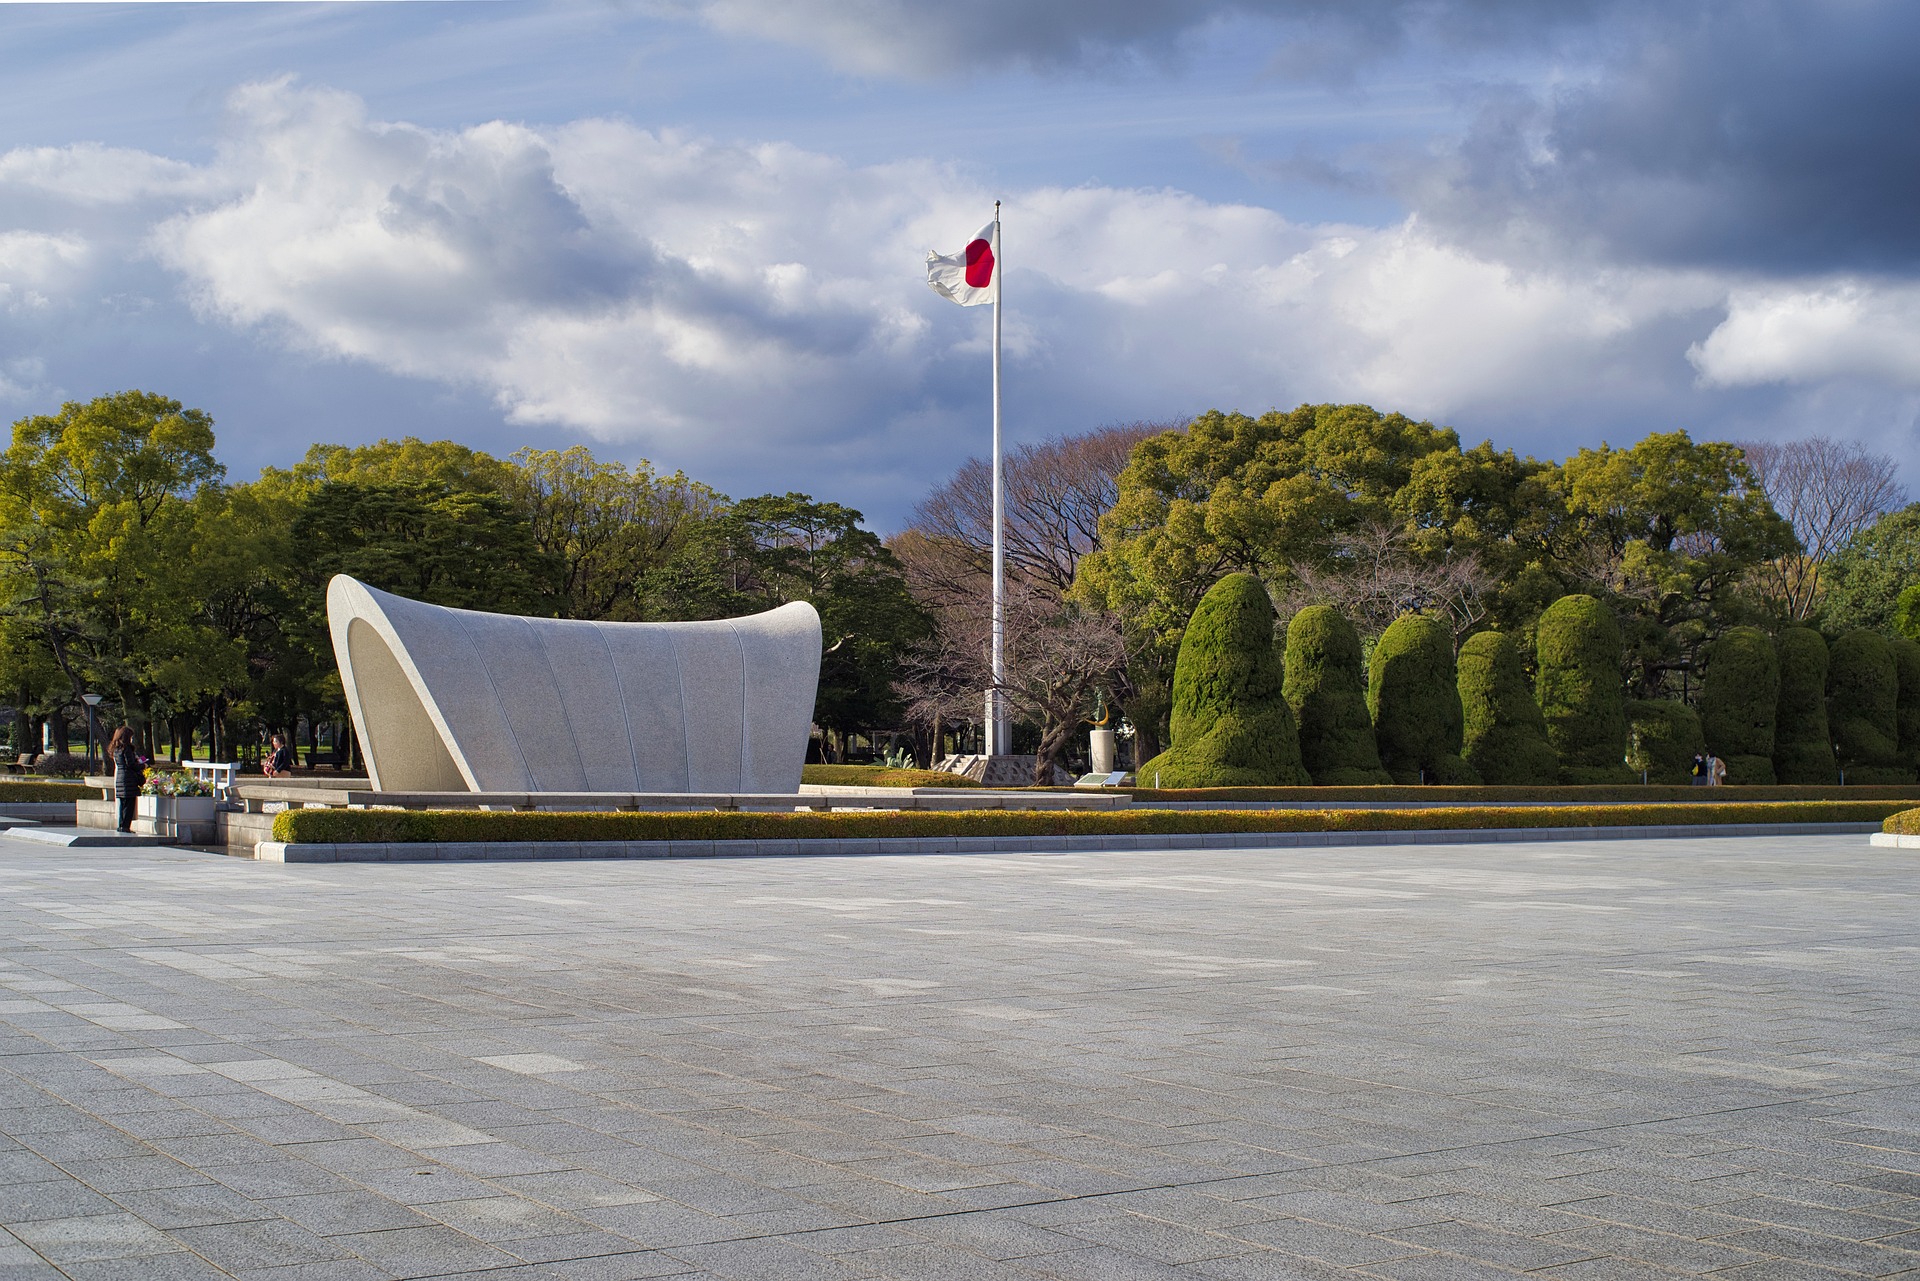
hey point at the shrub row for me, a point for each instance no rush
(1905, 823)
(880, 776)
(40, 793)
(311, 826)
(1615, 794)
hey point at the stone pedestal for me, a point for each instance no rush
(1100, 751)
(998, 771)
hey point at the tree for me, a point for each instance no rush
(1864, 579)
(622, 544)
(1326, 688)
(1802, 745)
(1504, 739)
(1738, 702)
(1906, 711)
(1413, 694)
(1375, 573)
(1829, 491)
(1664, 532)
(1577, 658)
(1231, 724)
(1863, 701)
(786, 547)
(1663, 737)
(96, 524)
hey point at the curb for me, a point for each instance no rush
(1894, 841)
(534, 851)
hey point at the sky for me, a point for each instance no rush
(694, 231)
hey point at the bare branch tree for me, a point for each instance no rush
(1374, 574)
(1056, 493)
(1828, 491)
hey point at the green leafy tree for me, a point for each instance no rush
(1663, 737)
(1906, 667)
(1326, 689)
(1231, 723)
(786, 547)
(1863, 581)
(1802, 744)
(1863, 708)
(1577, 658)
(1738, 703)
(96, 525)
(1413, 695)
(1505, 739)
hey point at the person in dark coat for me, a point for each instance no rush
(129, 775)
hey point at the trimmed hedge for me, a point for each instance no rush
(1633, 794)
(1231, 723)
(1667, 736)
(1577, 661)
(42, 792)
(1413, 695)
(1906, 708)
(1326, 687)
(880, 776)
(1504, 739)
(1802, 745)
(1738, 703)
(1863, 696)
(1905, 823)
(407, 827)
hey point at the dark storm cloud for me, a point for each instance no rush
(1775, 136)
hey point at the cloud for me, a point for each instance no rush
(918, 38)
(1763, 135)
(1847, 329)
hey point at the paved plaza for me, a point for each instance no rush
(1610, 1059)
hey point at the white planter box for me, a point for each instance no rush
(185, 818)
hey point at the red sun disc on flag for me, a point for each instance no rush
(979, 264)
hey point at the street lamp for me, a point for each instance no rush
(92, 701)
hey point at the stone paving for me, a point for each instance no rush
(1616, 1059)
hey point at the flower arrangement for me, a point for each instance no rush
(177, 784)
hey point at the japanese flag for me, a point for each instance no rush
(972, 276)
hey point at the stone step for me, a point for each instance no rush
(83, 837)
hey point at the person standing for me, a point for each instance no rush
(129, 775)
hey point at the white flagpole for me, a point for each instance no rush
(997, 721)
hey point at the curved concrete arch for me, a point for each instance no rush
(455, 700)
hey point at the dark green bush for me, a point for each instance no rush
(1326, 687)
(1231, 723)
(1906, 613)
(1802, 747)
(1906, 668)
(1505, 740)
(1413, 695)
(1863, 699)
(1737, 704)
(1664, 736)
(1577, 680)
(309, 826)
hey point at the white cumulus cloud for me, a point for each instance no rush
(1800, 334)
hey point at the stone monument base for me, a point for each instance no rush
(998, 771)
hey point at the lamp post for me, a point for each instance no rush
(92, 701)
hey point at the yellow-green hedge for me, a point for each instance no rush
(316, 826)
(1905, 823)
(880, 776)
(40, 792)
(1571, 795)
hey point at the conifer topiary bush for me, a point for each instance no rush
(1582, 698)
(1906, 712)
(1326, 688)
(1663, 737)
(1738, 702)
(1504, 740)
(1231, 724)
(1802, 747)
(1413, 696)
(1863, 699)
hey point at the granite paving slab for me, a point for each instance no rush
(1612, 1059)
